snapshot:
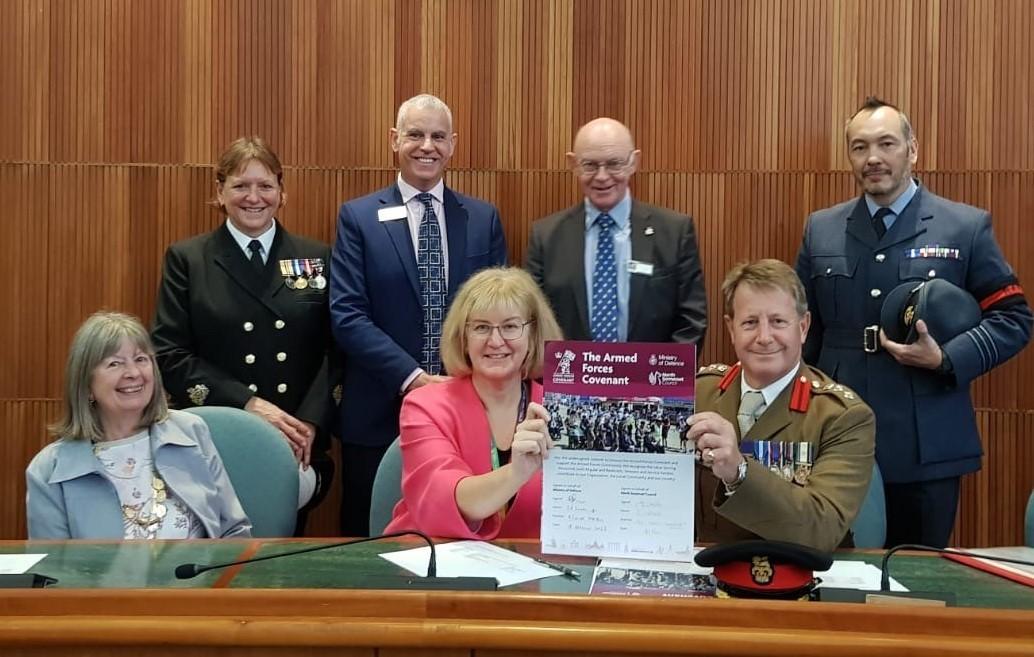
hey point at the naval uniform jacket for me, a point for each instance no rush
(925, 424)
(813, 409)
(224, 334)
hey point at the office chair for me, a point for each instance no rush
(387, 488)
(870, 527)
(260, 465)
(1028, 524)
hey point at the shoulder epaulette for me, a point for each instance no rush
(835, 389)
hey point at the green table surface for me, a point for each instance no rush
(151, 564)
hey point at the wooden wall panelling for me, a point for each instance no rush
(115, 109)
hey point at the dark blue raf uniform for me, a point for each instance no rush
(925, 423)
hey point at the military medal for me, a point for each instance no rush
(287, 273)
(318, 282)
(300, 283)
(803, 458)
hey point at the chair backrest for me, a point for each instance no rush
(260, 465)
(870, 527)
(1028, 524)
(387, 488)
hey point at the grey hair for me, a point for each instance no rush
(422, 101)
(99, 337)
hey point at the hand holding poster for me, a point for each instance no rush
(621, 484)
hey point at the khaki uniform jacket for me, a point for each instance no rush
(817, 514)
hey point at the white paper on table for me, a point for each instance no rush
(856, 575)
(472, 559)
(16, 564)
(614, 504)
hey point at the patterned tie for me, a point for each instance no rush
(255, 247)
(604, 321)
(752, 405)
(431, 270)
(877, 221)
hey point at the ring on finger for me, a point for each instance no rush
(709, 456)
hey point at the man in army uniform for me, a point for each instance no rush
(785, 452)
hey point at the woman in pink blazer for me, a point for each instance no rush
(473, 445)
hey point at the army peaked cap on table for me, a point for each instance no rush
(775, 570)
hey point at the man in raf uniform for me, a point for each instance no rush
(785, 452)
(852, 255)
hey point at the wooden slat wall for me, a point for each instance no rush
(113, 111)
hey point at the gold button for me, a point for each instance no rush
(281, 388)
(880, 257)
(279, 324)
(248, 326)
(253, 388)
(932, 273)
(874, 293)
(281, 356)
(249, 359)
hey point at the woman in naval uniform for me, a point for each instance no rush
(242, 316)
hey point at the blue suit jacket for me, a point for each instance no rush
(375, 310)
(925, 423)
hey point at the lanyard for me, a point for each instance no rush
(522, 410)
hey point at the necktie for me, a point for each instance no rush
(431, 270)
(604, 320)
(877, 221)
(752, 405)
(255, 247)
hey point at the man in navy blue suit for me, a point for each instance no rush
(852, 256)
(400, 256)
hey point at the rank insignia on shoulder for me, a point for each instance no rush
(198, 394)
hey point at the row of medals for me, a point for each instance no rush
(317, 282)
(303, 273)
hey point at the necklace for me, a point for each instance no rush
(136, 514)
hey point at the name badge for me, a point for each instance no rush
(392, 213)
(636, 267)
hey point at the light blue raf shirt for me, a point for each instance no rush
(621, 213)
(897, 207)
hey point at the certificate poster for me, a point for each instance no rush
(621, 484)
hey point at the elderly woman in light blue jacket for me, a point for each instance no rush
(125, 466)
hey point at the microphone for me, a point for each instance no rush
(885, 577)
(432, 581)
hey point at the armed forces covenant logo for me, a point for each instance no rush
(563, 374)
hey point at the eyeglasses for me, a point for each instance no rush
(613, 167)
(508, 331)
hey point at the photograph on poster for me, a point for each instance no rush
(641, 425)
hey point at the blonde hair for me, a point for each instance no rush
(99, 337)
(767, 273)
(491, 288)
(237, 156)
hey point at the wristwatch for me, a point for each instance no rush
(741, 475)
